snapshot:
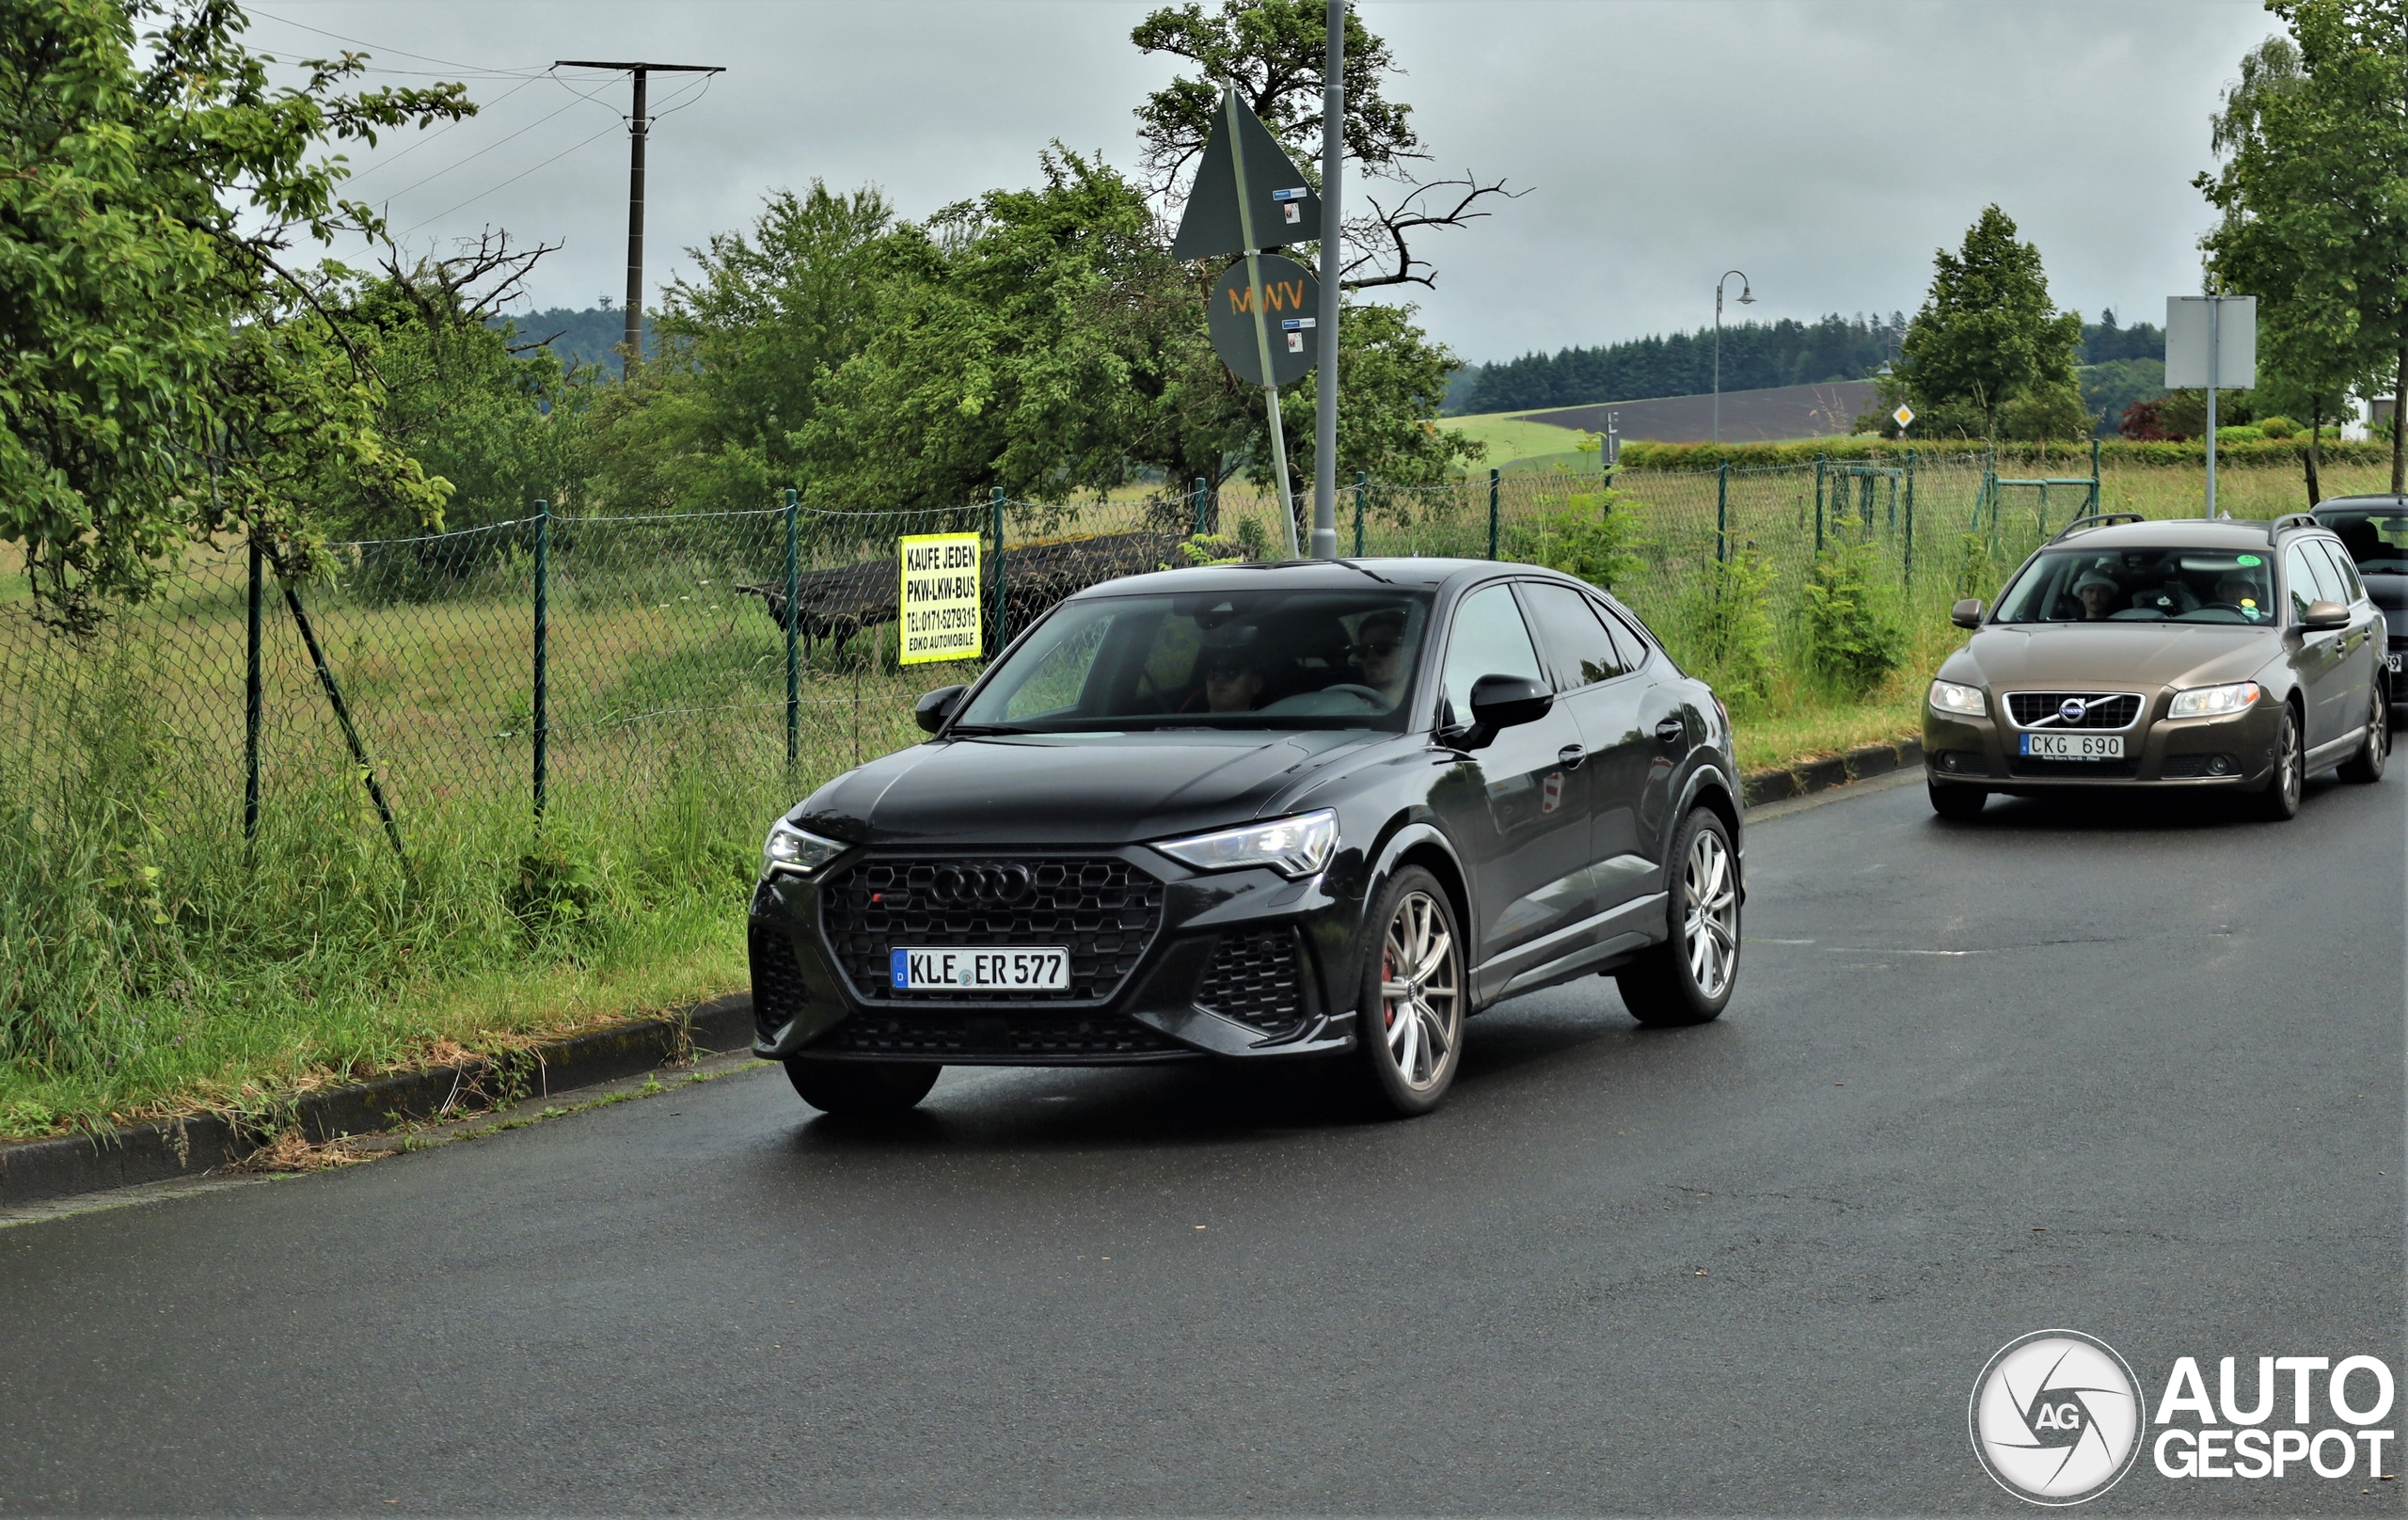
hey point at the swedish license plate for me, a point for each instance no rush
(980, 970)
(2074, 746)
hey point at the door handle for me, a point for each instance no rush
(1570, 756)
(1671, 731)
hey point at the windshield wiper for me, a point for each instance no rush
(976, 730)
(1363, 570)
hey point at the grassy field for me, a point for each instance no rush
(152, 962)
(1510, 440)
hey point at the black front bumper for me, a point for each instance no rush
(1166, 965)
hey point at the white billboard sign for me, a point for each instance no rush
(2188, 321)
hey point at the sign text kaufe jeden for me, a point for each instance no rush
(940, 598)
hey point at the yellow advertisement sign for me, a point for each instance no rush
(939, 603)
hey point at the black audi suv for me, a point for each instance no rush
(1260, 813)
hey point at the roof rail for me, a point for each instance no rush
(2289, 519)
(2097, 519)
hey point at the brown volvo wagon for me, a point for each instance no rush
(2235, 657)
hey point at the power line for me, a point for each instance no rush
(531, 70)
(490, 147)
(387, 162)
(513, 179)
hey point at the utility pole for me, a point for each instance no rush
(1333, 167)
(639, 129)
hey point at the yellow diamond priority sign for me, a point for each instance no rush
(1904, 415)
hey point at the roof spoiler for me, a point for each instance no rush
(2289, 519)
(2097, 519)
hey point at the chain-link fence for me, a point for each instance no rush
(566, 660)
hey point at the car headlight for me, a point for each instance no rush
(790, 850)
(1965, 700)
(1295, 848)
(2215, 701)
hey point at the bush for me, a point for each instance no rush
(1853, 636)
(1730, 630)
(1586, 538)
(2273, 427)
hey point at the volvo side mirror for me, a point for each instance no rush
(933, 709)
(1503, 702)
(2322, 615)
(1967, 613)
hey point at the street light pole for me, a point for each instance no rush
(1746, 298)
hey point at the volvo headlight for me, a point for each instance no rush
(1295, 848)
(1963, 701)
(2215, 701)
(794, 852)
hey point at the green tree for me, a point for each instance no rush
(2315, 196)
(151, 319)
(713, 421)
(1990, 354)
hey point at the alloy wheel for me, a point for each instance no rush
(1710, 913)
(1420, 991)
(2289, 778)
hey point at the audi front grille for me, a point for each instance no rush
(2073, 709)
(1103, 910)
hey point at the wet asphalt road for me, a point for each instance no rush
(2064, 1067)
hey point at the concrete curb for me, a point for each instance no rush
(33, 1170)
(1779, 785)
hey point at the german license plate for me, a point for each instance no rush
(980, 970)
(2074, 746)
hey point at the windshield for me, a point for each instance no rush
(2378, 541)
(1217, 659)
(2143, 585)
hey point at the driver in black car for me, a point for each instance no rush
(1231, 680)
(1379, 650)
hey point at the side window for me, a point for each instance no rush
(2343, 571)
(2298, 578)
(1578, 643)
(1627, 639)
(1488, 638)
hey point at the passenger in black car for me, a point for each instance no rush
(1231, 680)
(1379, 649)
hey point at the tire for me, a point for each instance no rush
(1411, 1012)
(860, 1088)
(2279, 801)
(1687, 979)
(2365, 767)
(1959, 803)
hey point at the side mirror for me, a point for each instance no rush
(933, 709)
(2325, 615)
(1967, 613)
(1502, 701)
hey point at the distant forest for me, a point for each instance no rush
(588, 337)
(1755, 355)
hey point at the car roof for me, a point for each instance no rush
(1414, 574)
(2373, 498)
(2176, 533)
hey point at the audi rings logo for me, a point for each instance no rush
(2056, 1418)
(981, 884)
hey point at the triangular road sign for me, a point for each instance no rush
(1284, 207)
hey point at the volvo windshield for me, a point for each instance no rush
(2144, 585)
(1219, 659)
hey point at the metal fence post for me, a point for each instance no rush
(1493, 478)
(1909, 578)
(1721, 510)
(1003, 615)
(794, 635)
(1198, 504)
(1819, 467)
(2094, 476)
(252, 701)
(1362, 491)
(543, 726)
(342, 717)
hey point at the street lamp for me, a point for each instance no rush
(1746, 299)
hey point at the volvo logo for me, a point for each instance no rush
(981, 884)
(2071, 709)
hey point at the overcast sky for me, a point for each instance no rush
(1824, 147)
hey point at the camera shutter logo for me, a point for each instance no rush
(2056, 1418)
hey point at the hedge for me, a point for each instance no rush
(2062, 458)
